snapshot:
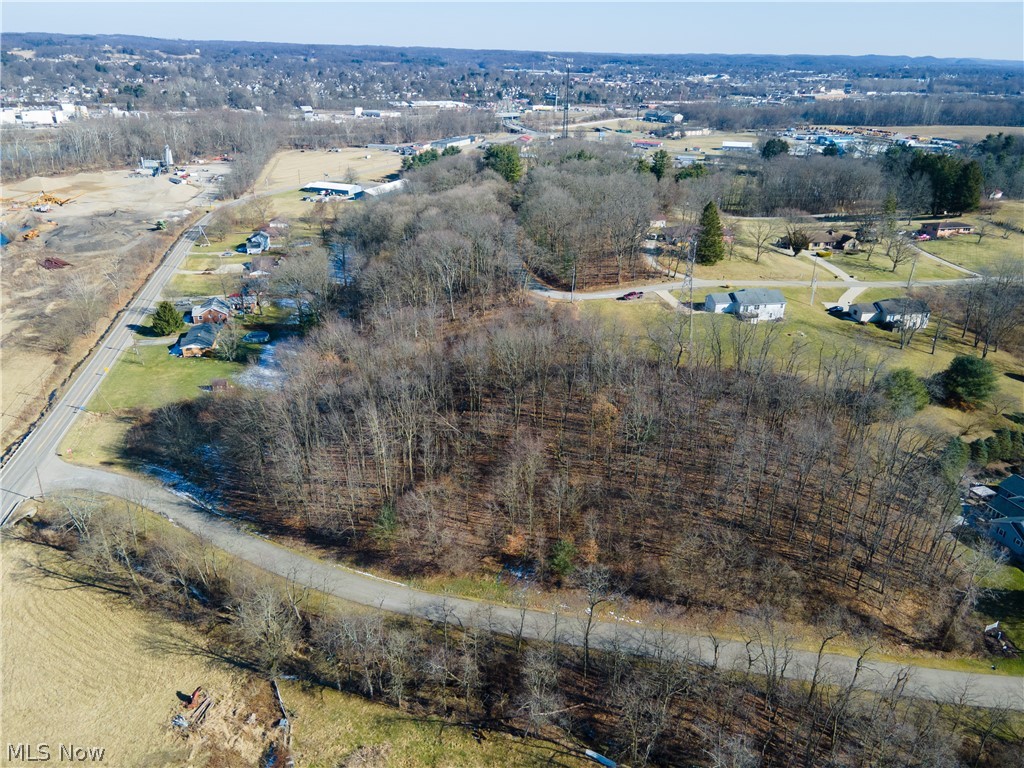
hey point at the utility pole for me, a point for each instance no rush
(565, 103)
(913, 266)
(691, 262)
(814, 278)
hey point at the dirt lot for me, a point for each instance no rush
(106, 234)
(296, 167)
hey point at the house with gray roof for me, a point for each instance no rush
(257, 242)
(212, 310)
(893, 313)
(751, 305)
(200, 340)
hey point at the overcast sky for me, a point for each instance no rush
(992, 30)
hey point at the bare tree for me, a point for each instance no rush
(762, 234)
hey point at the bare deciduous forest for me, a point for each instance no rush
(449, 422)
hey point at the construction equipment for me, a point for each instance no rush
(44, 198)
(32, 234)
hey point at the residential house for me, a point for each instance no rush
(214, 310)
(260, 266)
(258, 242)
(751, 305)
(832, 240)
(940, 229)
(200, 340)
(893, 313)
(1005, 524)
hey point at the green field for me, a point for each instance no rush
(182, 285)
(141, 382)
(880, 268)
(999, 246)
(154, 378)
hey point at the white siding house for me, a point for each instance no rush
(910, 313)
(750, 304)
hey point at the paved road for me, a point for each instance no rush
(698, 283)
(985, 690)
(20, 476)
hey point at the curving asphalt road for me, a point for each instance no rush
(354, 586)
(34, 468)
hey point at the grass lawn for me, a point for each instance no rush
(229, 242)
(774, 265)
(880, 268)
(993, 250)
(155, 378)
(630, 319)
(201, 285)
(196, 261)
(1004, 602)
(333, 729)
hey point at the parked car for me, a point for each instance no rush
(631, 295)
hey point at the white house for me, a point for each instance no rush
(907, 313)
(751, 305)
(258, 242)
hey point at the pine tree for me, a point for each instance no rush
(167, 319)
(710, 243)
(979, 453)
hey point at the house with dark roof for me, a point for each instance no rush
(200, 340)
(213, 310)
(260, 266)
(829, 239)
(937, 230)
(893, 313)
(258, 242)
(751, 305)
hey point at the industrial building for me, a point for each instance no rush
(333, 189)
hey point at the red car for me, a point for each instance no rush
(631, 295)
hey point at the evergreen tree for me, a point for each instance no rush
(167, 319)
(905, 391)
(710, 242)
(979, 453)
(505, 161)
(969, 381)
(774, 147)
(660, 163)
(954, 459)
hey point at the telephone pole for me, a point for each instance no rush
(565, 102)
